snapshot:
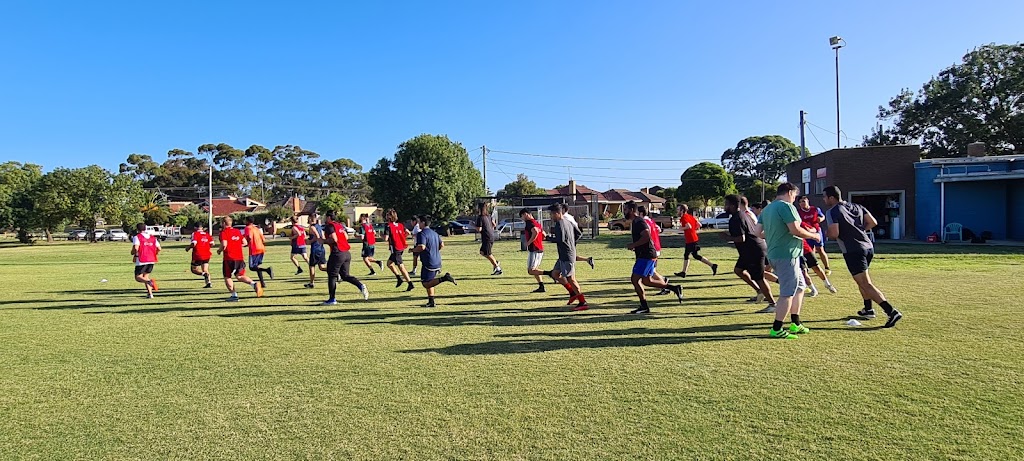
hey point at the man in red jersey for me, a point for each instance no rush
(535, 245)
(340, 260)
(395, 235)
(144, 250)
(656, 242)
(201, 253)
(298, 244)
(813, 216)
(231, 242)
(690, 228)
(369, 242)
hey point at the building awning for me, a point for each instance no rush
(980, 176)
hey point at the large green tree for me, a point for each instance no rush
(706, 183)
(125, 201)
(429, 174)
(761, 158)
(291, 171)
(980, 99)
(16, 183)
(520, 187)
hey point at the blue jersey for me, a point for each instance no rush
(316, 244)
(431, 256)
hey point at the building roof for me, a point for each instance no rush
(583, 193)
(623, 195)
(229, 205)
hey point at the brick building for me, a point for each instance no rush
(882, 178)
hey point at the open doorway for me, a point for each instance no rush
(887, 207)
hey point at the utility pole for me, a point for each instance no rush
(484, 150)
(209, 191)
(836, 43)
(803, 145)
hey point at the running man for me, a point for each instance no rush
(428, 246)
(369, 240)
(317, 252)
(564, 271)
(656, 242)
(848, 223)
(416, 227)
(745, 234)
(257, 249)
(485, 226)
(783, 235)
(690, 228)
(339, 262)
(298, 242)
(395, 235)
(813, 217)
(572, 219)
(231, 242)
(535, 238)
(646, 259)
(201, 253)
(145, 248)
(809, 263)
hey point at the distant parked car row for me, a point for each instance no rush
(720, 221)
(113, 235)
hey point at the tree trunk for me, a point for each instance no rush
(49, 235)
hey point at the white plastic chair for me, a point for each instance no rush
(953, 228)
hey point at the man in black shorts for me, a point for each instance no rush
(317, 252)
(395, 234)
(849, 223)
(485, 226)
(743, 232)
(339, 262)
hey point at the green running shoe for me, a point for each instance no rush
(798, 329)
(781, 334)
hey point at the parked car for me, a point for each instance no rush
(118, 235)
(663, 221)
(720, 221)
(459, 228)
(468, 224)
(515, 224)
(77, 234)
(99, 234)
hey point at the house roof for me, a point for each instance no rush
(226, 206)
(583, 193)
(623, 195)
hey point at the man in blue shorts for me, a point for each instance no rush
(646, 260)
(428, 246)
(783, 233)
(849, 223)
(317, 252)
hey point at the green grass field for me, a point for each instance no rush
(91, 370)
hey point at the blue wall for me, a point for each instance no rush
(996, 206)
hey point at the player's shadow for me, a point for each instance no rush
(527, 343)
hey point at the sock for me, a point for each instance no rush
(777, 325)
(867, 304)
(259, 273)
(887, 307)
(643, 304)
(581, 298)
(399, 278)
(547, 273)
(430, 300)
(541, 284)
(795, 318)
(568, 288)
(254, 285)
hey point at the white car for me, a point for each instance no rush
(99, 234)
(721, 221)
(118, 235)
(77, 235)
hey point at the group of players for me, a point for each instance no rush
(776, 242)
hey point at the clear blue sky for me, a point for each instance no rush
(91, 82)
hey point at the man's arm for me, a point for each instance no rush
(798, 231)
(223, 246)
(869, 221)
(832, 231)
(135, 246)
(645, 237)
(736, 234)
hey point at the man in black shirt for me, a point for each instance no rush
(752, 250)
(646, 258)
(485, 226)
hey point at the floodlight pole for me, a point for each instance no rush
(484, 150)
(209, 191)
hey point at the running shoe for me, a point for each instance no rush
(831, 288)
(330, 302)
(411, 287)
(270, 272)
(380, 265)
(308, 285)
(814, 291)
(399, 282)
(540, 289)
(208, 285)
(581, 307)
(366, 293)
(153, 283)
(798, 329)
(448, 278)
(769, 309)
(497, 271)
(714, 269)
(590, 261)
(893, 318)
(298, 271)
(680, 274)
(232, 299)
(259, 291)
(640, 310)
(781, 334)
(678, 290)
(866, 313)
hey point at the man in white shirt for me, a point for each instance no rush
(566, 215)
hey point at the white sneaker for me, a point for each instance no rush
(814, 291)
(770, 309)
(365, 292)
(831, 288)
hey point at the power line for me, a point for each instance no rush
(498, 162)
(579, 167)
(816, 138)
(602, 159)
(842, 133)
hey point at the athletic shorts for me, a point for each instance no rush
(486, 247)
(816, 243)
(791, 279)
(368, 251)
(534, 259)
(143, 269)
(753, 264)
(858, 262)
(644, 267)
(338, 264)
(809, 260)
(566, 268)
(233, 268)
(317, 256)
(427, 275)
(395, 258)
(199, 262)
(299, 250)
(255, 260)
(692, 249)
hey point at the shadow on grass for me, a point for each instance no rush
(631, 337)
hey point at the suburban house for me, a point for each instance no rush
(303, 209)
(881, 178)
(224, 206)
(175, 205)
(609, 202)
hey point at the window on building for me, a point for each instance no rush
(819, 186)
